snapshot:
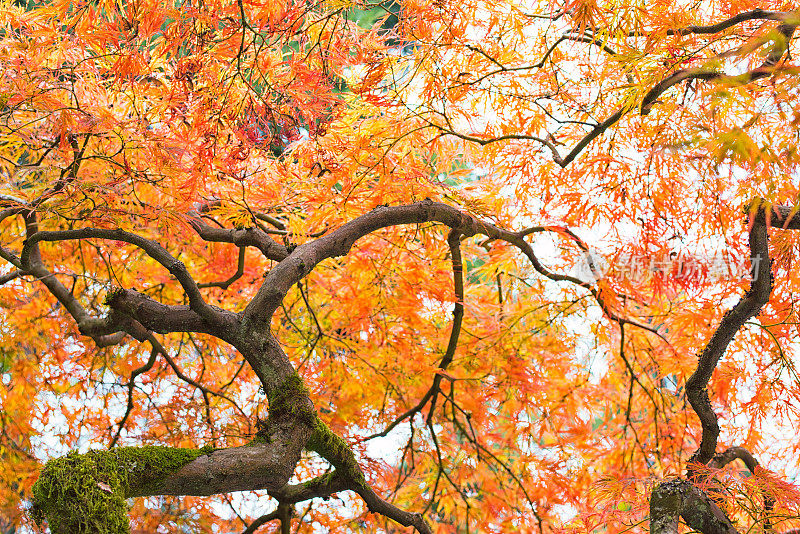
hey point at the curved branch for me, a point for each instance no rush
(321, 486)
(305, 257)
(458, 316)
(131, 384)
(749, 306)
(735, 453)
(241, 237)
(225, 284)
(452, 344)
(740, 453)
(160, 318)
(103, 332)
(755, 14)
(761, 216)
(284, 512)
(153, 249)
(379, 506)
(766, 68)
(338, 243)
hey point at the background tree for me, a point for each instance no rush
(305, 251)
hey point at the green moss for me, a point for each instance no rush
(334, 449)
(292, 398)
(320, 481)
(112, 294)
(258, 439)
(85, 493)
(667, 498)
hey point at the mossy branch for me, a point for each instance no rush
(85, 493)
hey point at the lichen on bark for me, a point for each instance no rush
(85, 493)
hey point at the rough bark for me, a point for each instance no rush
(258, 466)
(679, 498)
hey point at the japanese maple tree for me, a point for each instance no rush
(458, 266)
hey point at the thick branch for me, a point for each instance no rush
(266, 466)
(679, 498)
(8, 277)
(163, 318)
(735, 453)
(77, 492)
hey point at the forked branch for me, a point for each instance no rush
(153, 249)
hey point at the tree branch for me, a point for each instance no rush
(153, 249)
(338, 243)
(740, 453)
(679, 498)
(452, 344)
(131, 384)
(321, 486)
(305, 257)
(234, 277)
(755, 14)
(8, 277)
(162, 318)
(101, 331)
(241, 237)
(379, 506)
(749, 306)
(254, 466)
(284, 512)
(458, 315)
(735, 453)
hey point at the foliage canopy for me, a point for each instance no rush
(448, 262)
